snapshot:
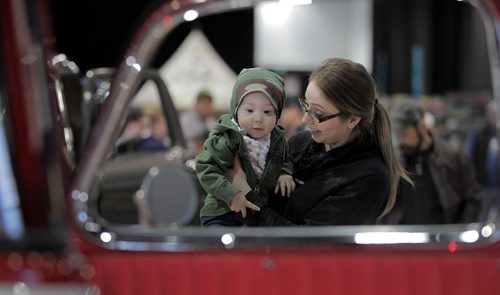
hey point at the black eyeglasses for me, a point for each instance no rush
(315, 117)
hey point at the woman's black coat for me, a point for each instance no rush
(348, 185)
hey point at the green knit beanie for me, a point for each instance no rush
(262, 80)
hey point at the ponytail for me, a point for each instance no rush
(383, 133)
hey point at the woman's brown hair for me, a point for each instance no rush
(353, 90)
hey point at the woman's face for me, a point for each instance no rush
(332, 133)
(256, 115)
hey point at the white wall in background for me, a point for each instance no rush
(301, 37)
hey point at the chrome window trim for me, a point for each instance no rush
(138, 56)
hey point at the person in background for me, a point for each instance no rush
(345, 158)
(136, 129)
(291, 117)
(251, 131)
(446, 190)
(158, 139)
(196, 123)
(483, 146)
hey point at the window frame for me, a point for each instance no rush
(140, 53)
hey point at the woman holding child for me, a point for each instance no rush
(345, 165)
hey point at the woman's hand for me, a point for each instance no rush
(240, 204)
(286, 184)
(237, 177)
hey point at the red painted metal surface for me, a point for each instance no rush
(300, 272)
(339, 270)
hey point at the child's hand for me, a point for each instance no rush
(286, 184)
(240, 204)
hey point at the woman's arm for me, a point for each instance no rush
(336, 198)
(267, 216)
(237, 201)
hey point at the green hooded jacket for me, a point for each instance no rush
(223, 143)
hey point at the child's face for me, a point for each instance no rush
(256, 115)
